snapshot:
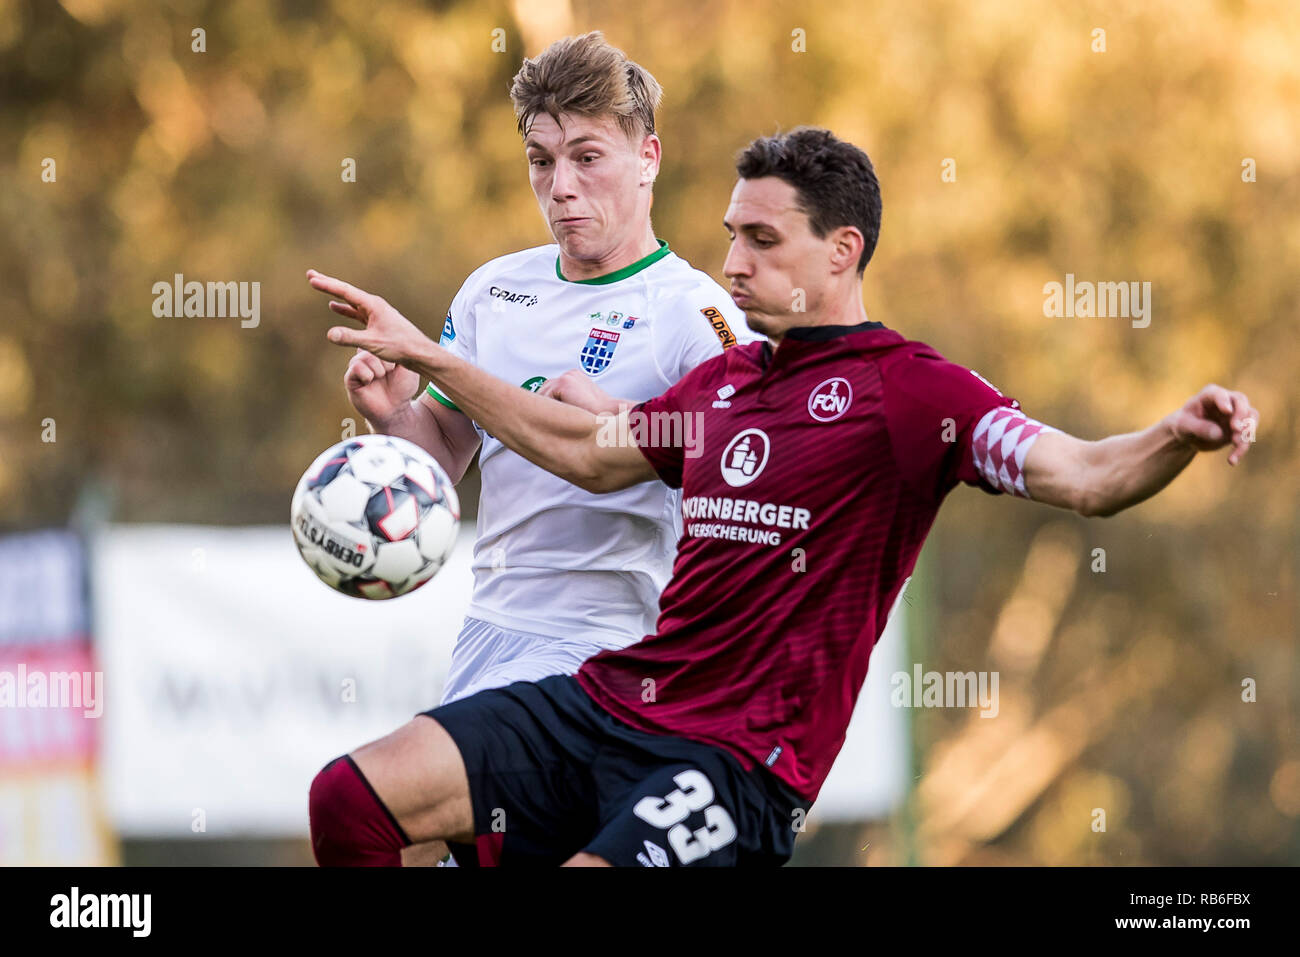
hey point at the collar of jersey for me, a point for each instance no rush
(617, 274)
(826, 333)
(809, 334)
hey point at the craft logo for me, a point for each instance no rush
(505, 295)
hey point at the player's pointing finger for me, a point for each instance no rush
(337, 287)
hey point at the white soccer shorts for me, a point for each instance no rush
(489, 656)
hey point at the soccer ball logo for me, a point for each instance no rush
(375, 516)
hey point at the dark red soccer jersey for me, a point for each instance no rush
(818, 472)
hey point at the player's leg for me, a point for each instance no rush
(427, 854)
(583, 859)
(479, 661)
(420, 774)
(475, 659)
(491, 656)
(408, 787)
(418, 853)
(420, 735)
(504, 772)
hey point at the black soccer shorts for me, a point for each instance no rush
(551, 773)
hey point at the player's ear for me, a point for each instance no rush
(651, 151)
(846, 248)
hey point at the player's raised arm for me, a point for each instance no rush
(1104, 477)
(570, 442)
(574, 388)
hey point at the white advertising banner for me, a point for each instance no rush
(869, 777)
(232, 675)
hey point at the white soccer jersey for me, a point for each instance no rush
(552, 559)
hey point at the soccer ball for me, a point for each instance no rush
(375, 516)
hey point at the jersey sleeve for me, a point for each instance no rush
(948, 424)
(666, 459)
(708, 323)
(458, 333)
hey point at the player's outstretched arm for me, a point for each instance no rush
(573, 443)
(576, 389)
(1104, 477)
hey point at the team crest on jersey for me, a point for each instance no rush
(830, 400)
(599, 351)
(614, 318)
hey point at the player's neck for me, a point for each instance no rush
(848, 312)
(624, 255)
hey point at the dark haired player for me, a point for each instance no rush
(838, 438)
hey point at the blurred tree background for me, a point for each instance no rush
(1121, 690)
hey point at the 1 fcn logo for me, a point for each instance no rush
(830, 400)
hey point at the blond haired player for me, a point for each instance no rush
(607, 310)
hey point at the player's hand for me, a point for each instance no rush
(1216, 417)
(388, 334)
(576, 389)
(378, 389)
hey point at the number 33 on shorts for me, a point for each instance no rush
(693, 793)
